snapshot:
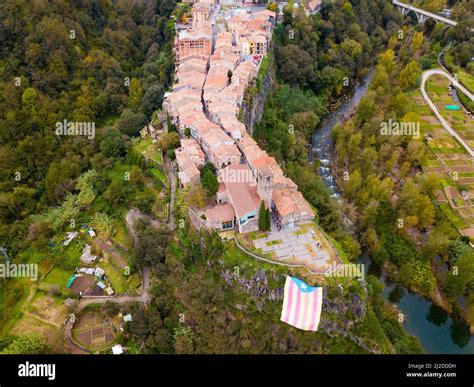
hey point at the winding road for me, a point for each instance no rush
(425, 76)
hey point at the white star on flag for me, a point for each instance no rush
(301, 304)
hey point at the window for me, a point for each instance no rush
(227, 225)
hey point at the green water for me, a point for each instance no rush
(437, 331)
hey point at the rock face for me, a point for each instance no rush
(340, 311)
(255, 286)
(252, 111)
(335, 319)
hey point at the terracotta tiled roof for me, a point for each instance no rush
(201, 7)
(203, 32)
(250, 148)
(216, 81)
(265, 161)
(192, 63)
(223, 151)
(214, 137)
(221, 213)
(190, 109)
(266, 14)
(291, 202)
(243, 196)
(179, 96)
(192, 148)
(188, 170)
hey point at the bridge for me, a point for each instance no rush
(422, 15)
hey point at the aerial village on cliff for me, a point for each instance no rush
(215, 63)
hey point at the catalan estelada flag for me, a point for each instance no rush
(302, 304)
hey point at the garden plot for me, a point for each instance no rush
(94, 331)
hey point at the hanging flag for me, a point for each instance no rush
(302, 304)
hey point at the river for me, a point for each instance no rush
(321, 143)
(437, 331)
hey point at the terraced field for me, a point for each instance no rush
(447, 158)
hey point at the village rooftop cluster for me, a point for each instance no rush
(215, 65)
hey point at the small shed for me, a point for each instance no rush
(452, 107)
(70, 236)
(109, 291)
(101, 285)
(98, 272)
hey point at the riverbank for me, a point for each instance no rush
(438, 331)
(448, 334)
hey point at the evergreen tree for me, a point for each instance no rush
(209, 179)
(268, 220)
(262, 217)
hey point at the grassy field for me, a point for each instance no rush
(234, 257)
(148, 149)
(121, 234)
(14, 293)
(118, 172)
(159, 175)
(58, 277)
(464, 77)
(115, 276)
(42, 258)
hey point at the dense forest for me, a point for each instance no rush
(317, 60)
(379, 175)
(101, 62)
(394, 204)
(110, 63)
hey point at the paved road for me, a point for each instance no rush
(446, 125)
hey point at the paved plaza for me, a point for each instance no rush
(296, 245)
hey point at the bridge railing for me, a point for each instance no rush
(425, 13)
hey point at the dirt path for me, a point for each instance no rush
(74, 348)
(144, 297)
(130, 218)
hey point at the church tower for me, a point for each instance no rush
(265, 185)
